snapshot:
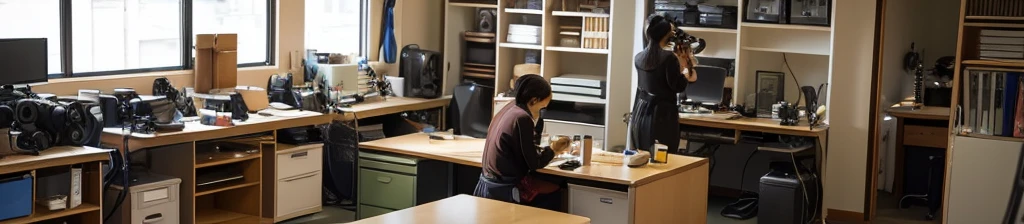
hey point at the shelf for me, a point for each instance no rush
(1007, 18)
(788, 26)
(228, 187)
(578, 50)
(521, 46)
(525, 11)
(995, 25)
(1006, 63)
(782, 51)
(472, 5)
(575, 98)
(990, 137)
(45, 214)
(708, 30)
(227, 161)
(210, 216)
(578, 14)
(574, 123)
(478, 65)
(478, 75)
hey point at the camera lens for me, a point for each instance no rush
(27, 111)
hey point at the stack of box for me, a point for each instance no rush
(216, 62)
(1002, 45)
(587, 86)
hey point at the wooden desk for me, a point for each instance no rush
(89, 211)
(671, 193)
(469, 209)
(918, 134)
(390, 105)
(194, 131)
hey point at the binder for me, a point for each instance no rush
(1010, 95)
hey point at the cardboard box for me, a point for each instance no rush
(203, 67)
(205, 41)
(225, 71)
(226, 42)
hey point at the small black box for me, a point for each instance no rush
(782, 196)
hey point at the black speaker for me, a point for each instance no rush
(487, 20)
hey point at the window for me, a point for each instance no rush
(114, 35)
(107, 37)
(247, 18)
(330, 25)
(34, 19)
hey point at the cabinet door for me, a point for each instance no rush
(981, 179)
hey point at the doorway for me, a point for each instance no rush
(905, 175)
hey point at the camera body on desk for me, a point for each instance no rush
(34, 124)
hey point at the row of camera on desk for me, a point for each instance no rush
(35, 122)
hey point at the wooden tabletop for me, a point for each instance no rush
(465, 209)
(194, 131)
(752, 124)
(469, 151)
(390, 105)
(56, 156)
(926, 113)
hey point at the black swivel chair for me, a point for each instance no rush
(470, 110)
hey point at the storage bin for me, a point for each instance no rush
(16, 191)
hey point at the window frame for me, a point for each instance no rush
(187, 61)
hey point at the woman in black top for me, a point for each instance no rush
(511, 152)
(664, 70)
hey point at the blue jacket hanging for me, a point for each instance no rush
(388, 45)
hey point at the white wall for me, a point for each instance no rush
(850, 94)
(416, 22)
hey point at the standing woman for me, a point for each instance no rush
(664, 70)
(511, 152)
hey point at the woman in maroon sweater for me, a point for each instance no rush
(511, 152)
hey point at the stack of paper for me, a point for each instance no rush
(1002, 45)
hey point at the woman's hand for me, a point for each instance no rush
(686, 62)
(560, 145)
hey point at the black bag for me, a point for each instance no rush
(422, 72)
(280, 90)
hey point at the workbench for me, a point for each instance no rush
(657, 193)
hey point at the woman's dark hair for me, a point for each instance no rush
(529, 87)
(657, 27)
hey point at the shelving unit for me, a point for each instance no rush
(974, 159)
(787, 26)
(63, 157)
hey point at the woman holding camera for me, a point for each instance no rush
(664, 70)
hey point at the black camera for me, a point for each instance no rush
(182, 102)
(682, 38)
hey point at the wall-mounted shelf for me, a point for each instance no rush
(1004, 63)
(578, 14)
(778, 50)
(578, 50)
(472, 5)
(1006, 18)
(708, 30)
(525, 11)
(521, 46)
(992, 137)
(994, 25)
(787, 26)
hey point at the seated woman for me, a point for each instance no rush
(511, 152)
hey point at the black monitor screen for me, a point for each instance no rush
(22, 61)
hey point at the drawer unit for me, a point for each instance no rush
(390, 182)
(154, 199)
(299, 160)
(299, 193)
(602, 206)
(925, 136)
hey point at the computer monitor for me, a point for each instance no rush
(709, 87)
(23, 61)
(470, 109)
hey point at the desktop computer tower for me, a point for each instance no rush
(781, 197)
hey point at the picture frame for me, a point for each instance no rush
(769, 88)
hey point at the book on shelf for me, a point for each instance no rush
(993, 102)
(1002, 54)
(1002, 40)
(1002, 33)
(1001, 47)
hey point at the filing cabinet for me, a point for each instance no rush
(602, 206)
(299, 178)
(390, 182)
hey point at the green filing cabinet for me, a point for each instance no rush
(389, 182)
